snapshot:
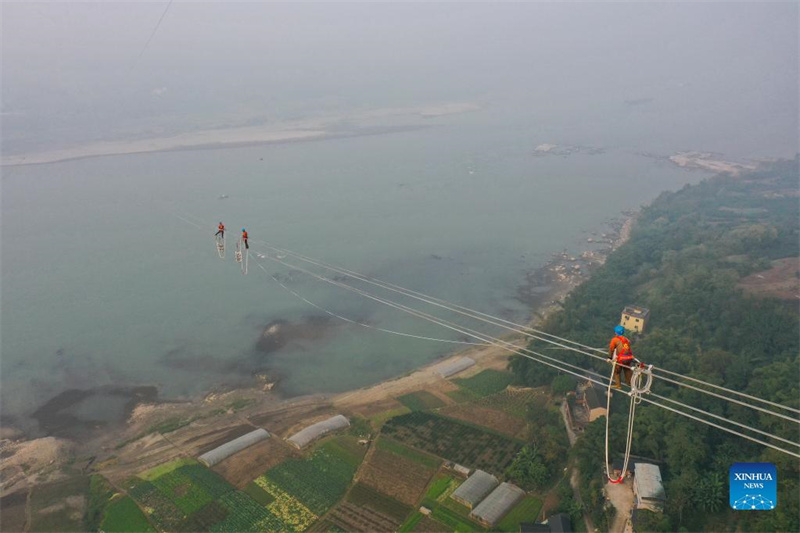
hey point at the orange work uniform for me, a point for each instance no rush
(622, 346)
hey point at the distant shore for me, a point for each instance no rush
(374, 122)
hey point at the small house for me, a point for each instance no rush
(616, 467)
(594, 405)
(557, 523)
(634, 318)
(648, 490)
(461, 469)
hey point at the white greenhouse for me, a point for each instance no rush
(497, 504)
(315, 431)
(474, 489)
(236, 445)
(455, 367)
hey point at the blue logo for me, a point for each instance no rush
(753, 486)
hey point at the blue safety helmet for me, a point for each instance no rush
(243, 229)
(619, 330)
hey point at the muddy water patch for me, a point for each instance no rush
(75, 412)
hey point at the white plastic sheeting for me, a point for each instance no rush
(497, 504)
(236, 445)
(455, 367)
(315, 431)
(474, 489)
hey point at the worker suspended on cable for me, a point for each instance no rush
(620, 350)
(221, 231)
(244, 239)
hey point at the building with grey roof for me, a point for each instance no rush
(475, 488)
(502, 499)
(315, 431)
(648, 488)
(557, 523)
(594, 405)
(229, 448)
(455, 367)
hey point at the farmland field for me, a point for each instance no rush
(350, 517)
(123, 515)
(420, 401)
(365, 496)
(495, 420)
(454, 520)
(462, 395)
(258, 494)
(241, 468)
(411, 522)
(246, 515)
(164, 514)
(527, 510)
(345, 448)
(429, 525)
(186, 496)
(288, 509)
(381, 417)
(324, 526)
(513, 402)
(319, 481)
(396, 448)
(440, 486)
(166, 468)
(396, 476)
(455, 441)
(487, 382)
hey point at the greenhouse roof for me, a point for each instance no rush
(498, 503)
(475, 488)
(229, 448)
(313, 432)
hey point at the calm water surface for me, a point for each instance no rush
(104, 284)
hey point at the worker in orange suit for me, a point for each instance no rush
(619, 350)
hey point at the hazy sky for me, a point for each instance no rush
(72, 71)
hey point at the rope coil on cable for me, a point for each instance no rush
(637, 389)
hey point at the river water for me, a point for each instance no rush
(108, 281)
